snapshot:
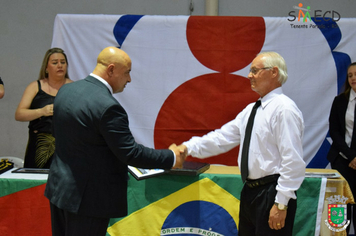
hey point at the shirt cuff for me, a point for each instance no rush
(280, 198)
(189, 150)
(174, 160)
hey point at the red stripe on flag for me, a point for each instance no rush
(25, 212)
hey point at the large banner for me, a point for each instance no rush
(189, 73)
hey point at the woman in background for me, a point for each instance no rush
(36, 106)
(342, 154)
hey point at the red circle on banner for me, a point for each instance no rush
(205, 103)
(225, 44)
(199, 106)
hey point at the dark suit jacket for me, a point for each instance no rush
(94, 145)
(337, 130)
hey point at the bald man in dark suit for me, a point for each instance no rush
(87, 182)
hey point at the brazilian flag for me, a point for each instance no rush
(207, 204)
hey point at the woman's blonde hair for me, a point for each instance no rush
(43, 74)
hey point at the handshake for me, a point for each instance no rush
(181, 153)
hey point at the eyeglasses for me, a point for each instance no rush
(254, 71)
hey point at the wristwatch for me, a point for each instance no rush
(280, 206)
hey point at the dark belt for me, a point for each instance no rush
(253, 183)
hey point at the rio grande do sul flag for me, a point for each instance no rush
(189, 73)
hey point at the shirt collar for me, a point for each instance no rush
(352, 95)
(103, 81)
(269, 96)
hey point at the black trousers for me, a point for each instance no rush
(66, 223)
(255, 206)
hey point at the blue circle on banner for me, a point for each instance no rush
(199, 218)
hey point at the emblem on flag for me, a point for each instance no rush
(337, 215)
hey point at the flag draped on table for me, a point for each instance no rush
(166, 205)
(205, 205)
(24, 209)
(183, 211)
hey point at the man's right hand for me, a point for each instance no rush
(181, 154)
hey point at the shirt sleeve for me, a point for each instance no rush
(215, 142)
(289, 127)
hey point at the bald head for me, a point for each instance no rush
(114, 66)
(112, 55)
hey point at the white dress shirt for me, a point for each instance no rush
(349, 117)
(275, 146)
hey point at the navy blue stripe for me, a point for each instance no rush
(123, 27)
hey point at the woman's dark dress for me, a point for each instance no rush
(40, 146)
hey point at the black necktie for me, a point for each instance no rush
(246, 145)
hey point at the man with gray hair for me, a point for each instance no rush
(271, 154)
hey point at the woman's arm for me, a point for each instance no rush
(23, 111)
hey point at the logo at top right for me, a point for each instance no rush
(304, 14)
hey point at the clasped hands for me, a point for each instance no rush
(181, 152)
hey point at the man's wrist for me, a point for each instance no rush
(281, 206)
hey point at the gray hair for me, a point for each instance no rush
(274, 59)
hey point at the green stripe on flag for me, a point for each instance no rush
(10, 186)
(307, 205)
